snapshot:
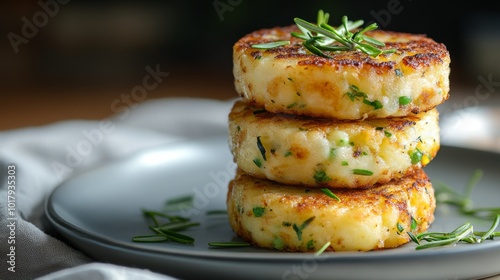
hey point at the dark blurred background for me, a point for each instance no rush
(71, 59)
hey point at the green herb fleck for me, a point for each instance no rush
(320, 176)
(387, 134)
(258, 211)
(414, 224)
(288, 153)
(363, 172)
(398, 72)
(404, 100)
(332, 154)
(299, 229)
(310, 245)
(258, 162)
(329, 193)
(356, 94)
(400, 228)
(291, 105)
(375, 104)
(261, 148)
(286, 224)
(345, 163)
(416, 156)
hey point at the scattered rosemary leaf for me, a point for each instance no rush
(216, 212)
(150, 238)
(228, 244)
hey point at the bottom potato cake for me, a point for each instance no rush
(296, 218)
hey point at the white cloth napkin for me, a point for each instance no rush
(39, 158)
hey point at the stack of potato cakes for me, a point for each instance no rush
(331, 150)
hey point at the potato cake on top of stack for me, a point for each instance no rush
(331, 135)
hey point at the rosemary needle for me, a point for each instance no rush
(228, 244)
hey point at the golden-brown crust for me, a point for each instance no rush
(416, 50)
(290, 79)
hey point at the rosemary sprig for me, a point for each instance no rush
(464, 233)
(447, 195)
(168, 231)
(321, 37)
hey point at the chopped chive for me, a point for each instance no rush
(258, 162)
(332, 153)
(320, 176)
(310, 245)
(261, 148)
(329, 193)
(298, 229)
(291, 105)
(414, 224)
(258, 211)
(404, 100)
(345, 163)
(416, 156)
(363, 172)
(278, 243)
(375, 104)
(400, 228)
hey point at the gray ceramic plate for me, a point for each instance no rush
(99, 211)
